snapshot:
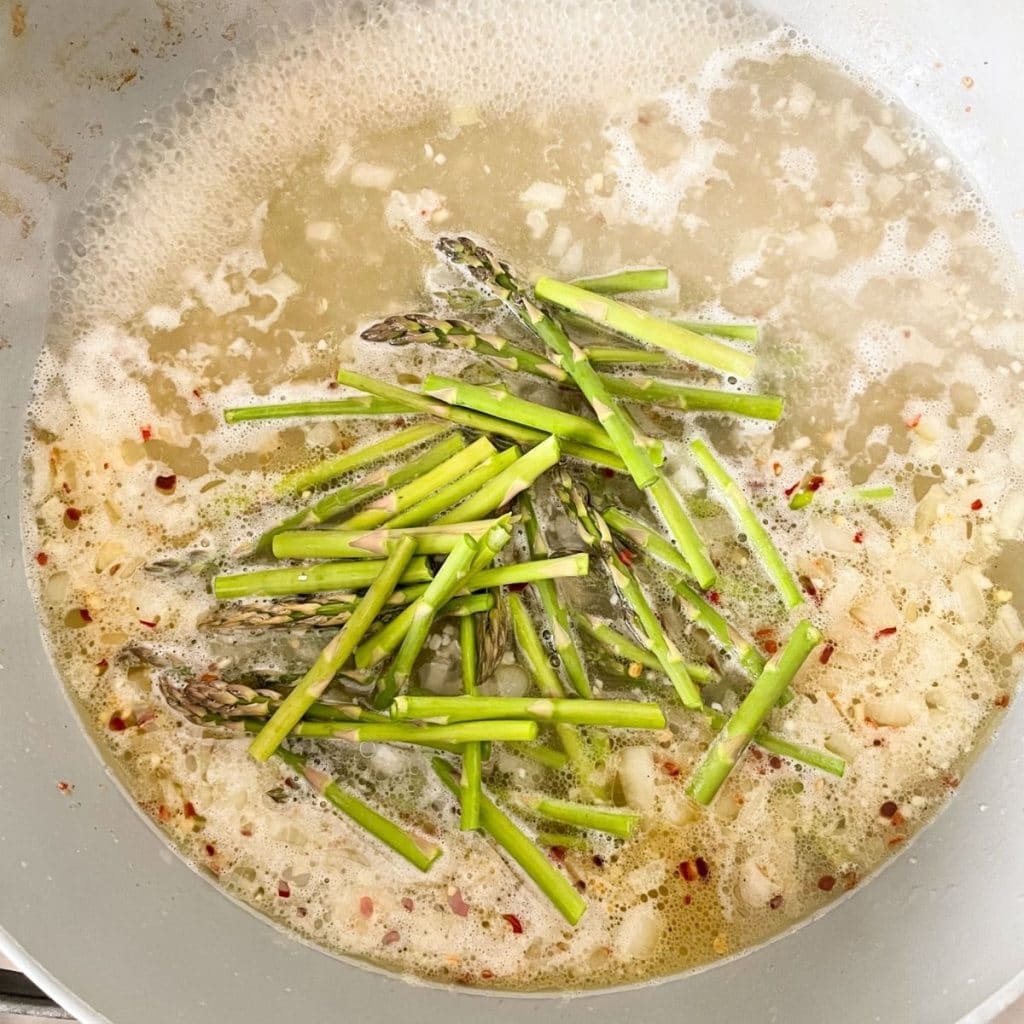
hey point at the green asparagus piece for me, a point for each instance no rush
(470, 781)
(642, 326)
(536, 864)
(567, 842)
(312, 579)
(338, 502)
(338, 650)
(687, 399)
(624, 648)
(512, 480)
(641, 536)
(418, 852)
(497, 401)
(401, 330)
(739, 730)
(388, 506)
(608, 714)
(554, 608)
(337, 465)
(454, 735)
(497, 278)
(556, 760)
(474, 420)
(333, 543)
(757, 536)
(741, 332)
(603, 355)
(359, 406)
(453, 572)
(653, 280)
(612, 820)
(691, 545)
(873, 493)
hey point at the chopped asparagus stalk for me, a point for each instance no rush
(534, 862)
(757, 536)
(475, 420)
(689, 399)
(338, 650)
(334, 543)
(338, 465)
(643, 537)
(653, 280)
(643, 327)
(614, 821)
(691, 545)
(470, 781)
(357, 406)
(566, 842)
(554, 608)
(873, 493)
(455, 735)
(312, 579)
(738, 732)
(556, 760)
(418, 852)
(741, 332)
(608, 714)
(497, 278)
(603, 355)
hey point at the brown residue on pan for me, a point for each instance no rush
(17, 20)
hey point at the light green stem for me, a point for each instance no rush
(738, 732)
(741, 332)
(454, 735)
(358, 406)
(311, 579)
(608, 714)
(687, 399)
(567, 842)
(556, 760)
(623, 281)
(616, 822)
(691, 545)
(534, 862)
(470, 782)
(757, 536)
(643, 537)
(338, 650)
(333, 543)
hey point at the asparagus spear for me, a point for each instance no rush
(691, 545)
(741, 332)
(567, 842)
(470, 781)
(688, 399)
(497, 278)
(613, 820)
(312, 579)
(338, 650)
(757, 536)
(556, 760)
(653, 280)
(337, 465)
(357, 406)
(413, 327)
(444, 736)
(536, 864)
(497, 401)
(624, 648)
(513, 480)
(370, 486)
(334, 543)
(642, 326)
(643, 537)
(603, 355)
(555, 610)
(608, 714)
(474, 420)
(419, 853)
(389, 505)
(549, 684)
(747, 719)
(324, 614)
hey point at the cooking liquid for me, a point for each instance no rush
(246, 236)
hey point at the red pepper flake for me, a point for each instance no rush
(826, 652)
(808, 587)
(815, 483)
(788, 492)
(952, 781)
(146, 432)
(117, 723)
(895, 840)
(517, 588)
(66, 487)
(888, 809)
(163, 814)
(826, 883)
(714, 597)
(459, 906)
(1003, 700)
(390, 938)
(189, 809)
(514, 923)
(897, 819)
(977, 505)
(756, 754)
(913, 421)
(284, 890)
(776, 901)
(858, 537)
(167, 483)
(72, 515)
(687, 900)
(688, 871)
(407, 904)
(486, 974)
(246, 831)
(65, 787)
(775, 761)
(625, 556)
(702, 867)
(148, 623)
(607, 472)
(197, 393)
(557, 853)
(42, 558)
(291, 782)
(885, 631)
(670, 768)
(366, 906)
(211, 850)
(770, 646)
(85, 615)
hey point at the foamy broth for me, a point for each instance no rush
(246, 234)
